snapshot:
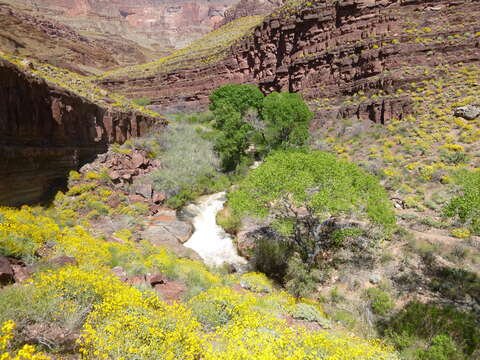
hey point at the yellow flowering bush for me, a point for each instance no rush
(24, 231)
(218, 306)
(256, 282)
(27, 352)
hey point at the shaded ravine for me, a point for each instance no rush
(209, 240)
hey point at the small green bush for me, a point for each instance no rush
(442, 347)
(466, 205)
(310, 313)
(426, 321)
(300, 280)
(380, 301)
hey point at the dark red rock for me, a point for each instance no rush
(41, 140)
(20, 273)
(171, 291)
(6, 271)
(157, 279)
(158, 197)
(329, 49)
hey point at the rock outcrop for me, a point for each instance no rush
(330, 49)
(46, 131)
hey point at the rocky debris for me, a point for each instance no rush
(171, 291)
(123, 167)
(39, 148)
(157, 279)
(469, 112)
(6, 271)
(51, 335)
(168, 290)
(63, 261)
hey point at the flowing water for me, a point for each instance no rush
(209, 240)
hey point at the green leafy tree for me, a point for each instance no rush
(287, 119)
(240, 97)
(305, 192)
(232, 140)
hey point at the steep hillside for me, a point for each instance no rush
(326, 49)
(51, 122)
(162, 26)
(25, 33)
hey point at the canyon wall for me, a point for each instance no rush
(46, 131)
(26, 33)
(332, 49)
(158, 25)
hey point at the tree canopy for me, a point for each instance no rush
(316, 180)
(287, 118)
(241, 97)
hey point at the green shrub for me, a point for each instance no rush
(233, 138)
(256, 282)
(310, 313)
(270, 256)
(188, 162)
(380, 301)
(426, 321)
(228, 221)
(442, 347)
(466, 205)
(322, 184)
(300, 279)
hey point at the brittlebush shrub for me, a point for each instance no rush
(26, 352)
(23, 232)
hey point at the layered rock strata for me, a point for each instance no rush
(46, 131)
(331, 49)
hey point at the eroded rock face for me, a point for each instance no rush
(153, 23)
(46, 131)
(333, 49)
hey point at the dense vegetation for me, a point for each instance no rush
(84, 308)
(305, 193)
(245, 119)
(338, 256)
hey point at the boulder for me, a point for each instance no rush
(156, 279)
(469, 112)
(171, 291)
(158, 197)
(6, 271)
(20, 273)
(144, 190)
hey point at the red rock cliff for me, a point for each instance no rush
(332, 49)
(46, 131)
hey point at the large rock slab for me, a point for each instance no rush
(166, 230)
